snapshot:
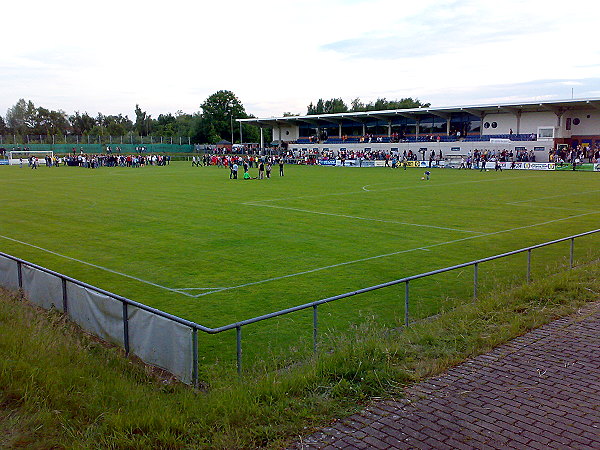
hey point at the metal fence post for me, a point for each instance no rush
(195, 357)
(406, 303)
(572, 253)
(20, 274)
(238, 330)
(315, 328)
(64, 291)
(475, 279)
(125, 329)
(528, 266)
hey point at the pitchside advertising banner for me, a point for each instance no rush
(589, 167)
(491, 165)
(523, 165)
(3, 162)
(378, 163)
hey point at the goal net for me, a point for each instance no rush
(22, 156)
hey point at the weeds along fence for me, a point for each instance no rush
(170, 342)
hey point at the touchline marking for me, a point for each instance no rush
(556, 196)
(97, 266)
(547, 207)
(199, 289)
(360, 218)
(390, 254)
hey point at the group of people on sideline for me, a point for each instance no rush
(264, 165)
(94, 161)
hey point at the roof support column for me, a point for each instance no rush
(559, 115)
(448, 126)
(482, 116)
(262, 139)
(364, 133)
(518, 114)
(340, 130)
(417, 130)
(390, 129)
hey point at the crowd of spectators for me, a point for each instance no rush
(111, 160)
(575, 155)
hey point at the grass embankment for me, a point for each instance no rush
(60, 388)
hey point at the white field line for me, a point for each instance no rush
(398, 188)
(547, 207)
(555, 196)
(361, 218)
(97, 266)
(332, 266)
(198, 289)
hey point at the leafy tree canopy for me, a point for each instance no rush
(337, 105)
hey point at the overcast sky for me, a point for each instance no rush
(280, 55)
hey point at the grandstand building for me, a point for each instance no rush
(455, 131)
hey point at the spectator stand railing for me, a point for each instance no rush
(186, 367)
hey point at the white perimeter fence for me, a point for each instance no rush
(168, 341)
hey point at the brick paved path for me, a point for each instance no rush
(541, 390)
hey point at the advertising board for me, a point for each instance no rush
(524, 165)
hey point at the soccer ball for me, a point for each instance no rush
(422, 178)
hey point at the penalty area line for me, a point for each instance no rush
(362, 218)
(97, 266)
(370, 258)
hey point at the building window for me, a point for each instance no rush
(576, 121)
(494, 125)
(545, 132)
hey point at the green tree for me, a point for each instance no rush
(220, 111)
(331, 106)
(143, 122)
(21, 118)
(382, 104)
(49, 122)
(356, 105)
(81, 123)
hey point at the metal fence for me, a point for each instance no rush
(171, 342)
(55, 139)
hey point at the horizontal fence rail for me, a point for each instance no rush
(168, 341)
(56, 139)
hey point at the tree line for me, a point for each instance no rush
(337, 105)
(215, 121)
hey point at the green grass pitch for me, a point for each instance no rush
(196, 244)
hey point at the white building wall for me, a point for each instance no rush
(531, 121)
(504, 123)
(587, 125)
(286, 133)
